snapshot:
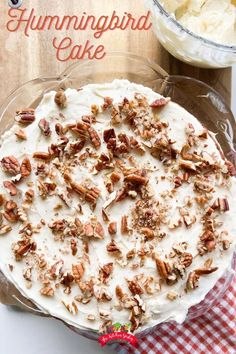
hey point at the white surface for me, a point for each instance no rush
(27, 334)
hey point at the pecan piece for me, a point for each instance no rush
(72, 308)
(105, 272)
(45, 127)
(205, 271)
(10, 165)
(192, 281)
(25, 116)
(221, 204)
(25, 168)
(112, 228)
(60, 99)
(124, 225)
(22, 248)
(4, 229)
(160, 102)
(134, 287)
(119, 293)
(113, 249)
(147, 232)
(78, 271)
(115, 177)
(47, 291)
(136, 179)
(45, 156)
(94, 137)
(163, 268)
(186, 259)
(20, 134)
(11, 187)
(109, 134)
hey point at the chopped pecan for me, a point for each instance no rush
(109, 134)
(185, 153)
(186, 259)
(113, 248)
(163, 268)
(74, 249)
(67, 279)
(115, 177)
(4, 229)
(29, 196)
(94, 137)
(93, 228)
(231, 168)
(60, 99)
(11, 211)
(11, 187)
(192, 281)
(136, 179)
(108, 101)
(45, 127)
(47, 291)
(105, 272)
(22, 248)
(25, 116)
(78, 271)
(72, 308)
(187, 165)
(124, 225)
(131, 254)
(112, 228)
(160, 102)
(45, 156)
(147, 232)
(25, 168)
(90, 195)
(134, 287)
(205, 271)
(21, 135)
(119, 293)
(178, 181)
(203, 186)
(10, 165)
(221, 204)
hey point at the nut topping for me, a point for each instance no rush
(25, 168)
(44, 127)
(25, 116)
(60, 99)
(10, 165)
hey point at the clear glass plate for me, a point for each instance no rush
(198, 98)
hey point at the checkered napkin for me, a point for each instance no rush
(212, 333)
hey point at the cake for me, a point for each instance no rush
(117, 205)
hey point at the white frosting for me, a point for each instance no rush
(158, 307)
(185, 46)
(212, 19)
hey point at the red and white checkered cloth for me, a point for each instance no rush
(212, 333)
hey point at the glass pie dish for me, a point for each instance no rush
(186, 45)
(198, 98)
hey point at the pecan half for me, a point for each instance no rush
(60, 99)
(25, 116)
(45, 127)
(119, 293)
(10, 165)
(205, 271)
(11, 187)
(186, 259)
(4, 229)
(25, 168)
(192, 281)
(136, 179)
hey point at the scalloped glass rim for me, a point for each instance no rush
(226, 48)
(196, 96)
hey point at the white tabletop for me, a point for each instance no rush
(23, 333)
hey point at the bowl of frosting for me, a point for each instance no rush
(199, 32)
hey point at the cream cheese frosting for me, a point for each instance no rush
(212, 19)
(118, 207)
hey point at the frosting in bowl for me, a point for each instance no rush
(212, 19)
(117, 206)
